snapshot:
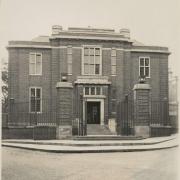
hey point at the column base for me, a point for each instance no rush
(63, 132)
(143, 131)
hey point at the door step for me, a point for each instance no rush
(97, 129)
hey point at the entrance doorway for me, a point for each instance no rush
(93, 113)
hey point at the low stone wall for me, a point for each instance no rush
(36, 133)
(17, 133)
(159, 131)
(44, 132)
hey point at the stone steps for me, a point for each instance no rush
(106, 137)
(97, 129)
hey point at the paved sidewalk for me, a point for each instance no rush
(72, 146)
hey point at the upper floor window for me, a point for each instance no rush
(35, 99)
(144, 66)
(35, 64)
(69, 60)
(91, 62)
(113, 62)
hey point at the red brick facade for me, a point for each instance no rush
(54, 64)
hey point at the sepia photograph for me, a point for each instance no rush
(89, 89)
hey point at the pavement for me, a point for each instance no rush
(74, 146)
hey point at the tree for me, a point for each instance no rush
(4, 88)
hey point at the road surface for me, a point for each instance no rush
(18, 164)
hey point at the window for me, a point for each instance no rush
(35, 99)
(113, 106)
(69, 60)
(113, 62)
(113, 93)
(35, 64)
(144, 66)
(91, 61)
(92, 90)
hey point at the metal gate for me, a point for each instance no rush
(125, 117)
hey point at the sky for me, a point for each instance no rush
(152, 22)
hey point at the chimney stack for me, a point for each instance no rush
(56, 29)
(125, 32)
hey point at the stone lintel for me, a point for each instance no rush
(64, 85)
(142, 86)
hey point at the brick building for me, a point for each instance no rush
(81, 67)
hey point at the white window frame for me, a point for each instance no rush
(90, 91)
(112, 65)
(145, 57)
(68, 62)
(82, 57)
(35, 87)
(35, 74)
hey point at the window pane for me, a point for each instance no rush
(86, 69)
(38, 105)
(32, 105)
(113, 60)
(113, 52)
(97, 59)
(146, 62)
(97, 69)
(32, 68)
(91, 52)
(86, 90)
(141, 71)
(38, 58)
(98, 90)
(97, 51)
(38, 64)
(92, 90)
(114, 93)
(32, 58)
(91, 59)
(38, 68)
(69, 50)
(69, 68)
(69, 58)
(91, 69)
(113, 106)
(86, 59)
(32, 92)
(86, 51)
(113, 70)
(141, 61)
(147, 71)
(38, 93)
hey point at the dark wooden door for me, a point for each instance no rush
(93, 112)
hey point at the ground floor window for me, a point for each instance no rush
(35, 99)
